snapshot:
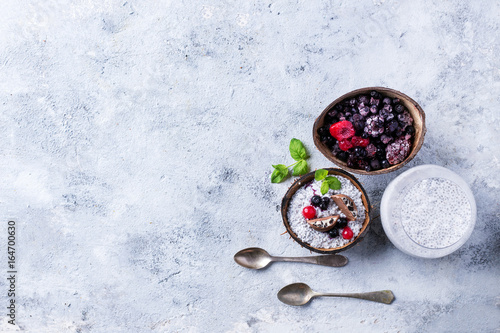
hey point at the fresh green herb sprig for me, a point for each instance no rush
(329, 182)
(300, 167)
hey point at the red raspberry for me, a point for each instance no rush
(342, 130)
(347, 233)
(345, 145)
(358, 141)
(309, 212)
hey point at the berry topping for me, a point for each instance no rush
(342, 222)
(325, 201)
(345, 145)
(342, 130)
(397, 151)
(316, 200)
(309, 212)
(333, 232)
(347, 233)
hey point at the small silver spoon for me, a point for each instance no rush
(301, 293)
(257, 258)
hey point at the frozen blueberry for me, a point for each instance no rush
(375, 94)
(387, 100)
(395, 101)
(399, 108)
(352, 102)
(363, 99)
(385, 164)
(392, 126)
(410, 130)
(368, 168)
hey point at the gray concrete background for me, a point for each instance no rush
(136, 143)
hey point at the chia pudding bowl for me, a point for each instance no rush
(347, 208)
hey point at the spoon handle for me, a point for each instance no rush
(383, 296)
(334, 260)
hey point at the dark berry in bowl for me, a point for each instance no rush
(316, 201)
(371, 124)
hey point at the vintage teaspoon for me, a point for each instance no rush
(301, 293)
(257, 258)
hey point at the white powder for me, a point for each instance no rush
(318, 239)
(435, 213)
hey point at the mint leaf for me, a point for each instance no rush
(333, 183)
(324, 188)
(297, 150)
(300, 168)
(320, 174)
(279, 174)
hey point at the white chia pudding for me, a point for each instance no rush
(318, 239)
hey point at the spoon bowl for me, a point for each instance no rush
(300, 294)
(253, 257)
(257, 258)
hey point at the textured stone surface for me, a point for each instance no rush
(136, 143)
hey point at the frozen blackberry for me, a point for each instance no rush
(359, 152)
(371, 150)
(351, 161)
(362, 163)
(374, 126)
(397, 151)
